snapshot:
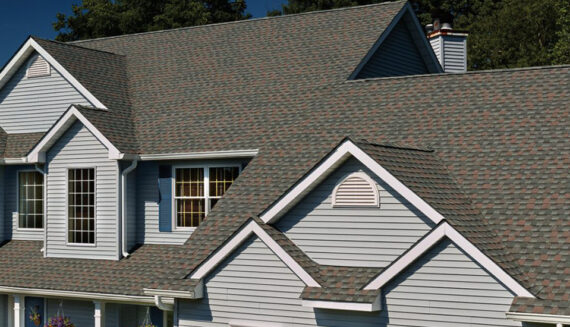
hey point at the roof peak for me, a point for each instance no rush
(242, 21)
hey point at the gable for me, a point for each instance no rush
(446, 286)
(355, 235)
(30, 105)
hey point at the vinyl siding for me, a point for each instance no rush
(78, 148)
(11, 206)
(30, 105)
(445, 288)
(371, 237)
(81, 313)
(397, 55)
(455, 53)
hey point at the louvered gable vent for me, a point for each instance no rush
(356, 190)
(38, 68)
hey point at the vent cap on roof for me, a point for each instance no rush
(39, 67)
(356, 190)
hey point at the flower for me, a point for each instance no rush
(59, 321)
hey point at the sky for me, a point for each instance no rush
(22, 18)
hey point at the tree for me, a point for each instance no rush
(502, 33)
(100, 18)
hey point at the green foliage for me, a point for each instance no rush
(100, 18)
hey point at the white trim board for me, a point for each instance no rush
(539, 318)
(249, 229)
(37, 154)
(348, 306)
(133, 299)
(345, 150)
(248, 153)
(433, 237)
(23, 53)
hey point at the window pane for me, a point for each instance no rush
(190, 212)
(221, 179)
(189, 182)
(30, 199)
(81, 210)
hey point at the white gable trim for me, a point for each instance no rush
(37, 154)
(345, 150)
(437, 234)
(252, 228)
(348, 306)
(406, 9)
(23, 55)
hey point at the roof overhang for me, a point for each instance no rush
(247, 153)
(22, 55)
(196, 293)
(347, 306)
(345, 150)
(132, 299)
(428, 241)
(252, 228)
(539, 318)
(38, 153)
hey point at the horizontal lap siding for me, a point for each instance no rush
(353, 236)
(397, 55)
(11, 206)
(147, 209)
(81, 313)
(254, 285)
(78, 148)
(30, 105)
(447, 288)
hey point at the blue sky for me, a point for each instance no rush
(21, 18)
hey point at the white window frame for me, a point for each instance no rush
(71, 244)
(207, 197)
(18, 202)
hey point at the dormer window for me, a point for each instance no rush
(38, 68)
(356, 190)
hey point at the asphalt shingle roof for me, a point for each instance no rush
(279, 85)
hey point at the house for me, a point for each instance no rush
(334, 168)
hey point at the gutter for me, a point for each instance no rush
(539, 318)
(124, 174)
(132, 299)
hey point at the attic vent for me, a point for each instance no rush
(39, 67)
(356, 190)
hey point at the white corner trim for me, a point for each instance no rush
(249, 153)
(252, 228)
(37, 154)
(434, 236)
(22, 55)
(539, 318)
(342, 152)
(348, 306)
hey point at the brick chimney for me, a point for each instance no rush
(450, 46)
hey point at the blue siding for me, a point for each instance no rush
(3, 219)
(445, 288)
(30, 105)
(4, 310)
(398, 55)
(370, 237)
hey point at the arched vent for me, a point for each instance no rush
(39, 67)
(356, 190)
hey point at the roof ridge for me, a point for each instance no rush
(241, 21)
(76, 46)
(471, 72)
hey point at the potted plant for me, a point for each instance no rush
(35, 316)
(59, 321)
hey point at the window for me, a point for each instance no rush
(81, 206)
(197, 190)
(356, 190)
(30, 199)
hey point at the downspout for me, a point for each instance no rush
(161, 305)
(124, 206)
(42, 171)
